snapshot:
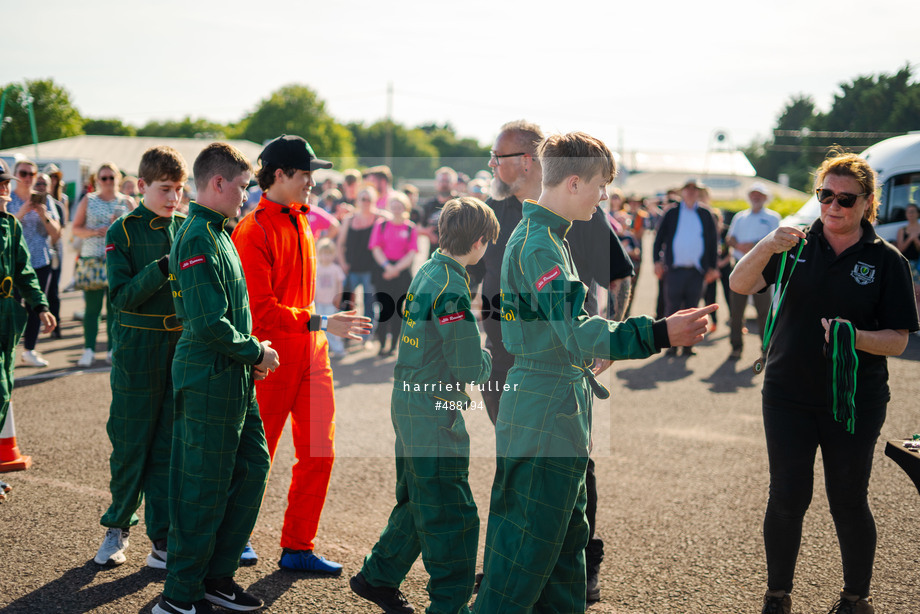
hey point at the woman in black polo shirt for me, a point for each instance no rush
(843, 272)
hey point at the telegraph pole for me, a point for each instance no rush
(388, 139)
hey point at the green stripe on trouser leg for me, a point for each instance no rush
(435, 514)
(217, 478)
(140, 427)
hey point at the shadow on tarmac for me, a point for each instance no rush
(364, 368)
(279, 582)
(647, 377)
(66, 595)
(731, 376)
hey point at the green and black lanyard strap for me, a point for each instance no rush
(840, 352)
(842, 367)
(776, 305)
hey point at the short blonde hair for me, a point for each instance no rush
(325, 246)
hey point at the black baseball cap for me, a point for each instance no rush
(289, 151)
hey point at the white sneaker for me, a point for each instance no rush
(87, 358)
(112, 551)
(157, 556)
(34, 359)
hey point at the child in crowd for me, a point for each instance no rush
(329, 283)
(394, 245)
(144, 335)
(435, 514)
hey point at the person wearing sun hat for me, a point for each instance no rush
(279, 259)
(685, 252)
(747, 228)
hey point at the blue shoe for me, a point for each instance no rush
(305, 560)
(249, 556)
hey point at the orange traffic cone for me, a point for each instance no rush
(11, 459)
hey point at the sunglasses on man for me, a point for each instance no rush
(844, 199)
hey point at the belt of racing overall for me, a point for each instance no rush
(570, 371)
(149, 321)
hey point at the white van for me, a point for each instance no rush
(897, 162)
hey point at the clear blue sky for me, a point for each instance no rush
(648, 75)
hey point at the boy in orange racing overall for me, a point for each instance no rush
(279, 259)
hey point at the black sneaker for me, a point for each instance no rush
(852, 604)
(777, 605)
(226, 593)
(390, 599)
(171, 606)
(477, 582)
(592, 588)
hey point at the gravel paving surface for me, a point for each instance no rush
(681, 467)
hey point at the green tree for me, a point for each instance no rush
(413, 155)
(296, 109)
(186, 128)
(885, 104)
(108, 127)
(462, 154)
(55, 115)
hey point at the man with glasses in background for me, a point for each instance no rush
(747, 228)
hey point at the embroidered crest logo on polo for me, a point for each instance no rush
(863, 273)
(775, 306)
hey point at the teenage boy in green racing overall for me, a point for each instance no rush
(439, 352)
(219, 461)
(537, 532)
(145, 332)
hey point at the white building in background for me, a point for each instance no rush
(78, 156)
(729, 174)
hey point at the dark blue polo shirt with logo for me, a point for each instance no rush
(868, 284)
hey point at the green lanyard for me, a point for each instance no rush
(843, 369)
(775, 306)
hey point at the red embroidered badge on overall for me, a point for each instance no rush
(109, 247)
(191, 262)
(548, 277)
(452, 317)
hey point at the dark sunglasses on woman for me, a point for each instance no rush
(844, 199)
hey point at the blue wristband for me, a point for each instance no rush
(324, 322)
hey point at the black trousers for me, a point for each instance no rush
(33, 326)
(390, 296)
(793, 438)
(683, 288)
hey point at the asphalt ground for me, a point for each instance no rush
(681, 466)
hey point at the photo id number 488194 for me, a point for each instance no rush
(458, 405)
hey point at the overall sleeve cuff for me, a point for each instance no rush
(660, 334)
